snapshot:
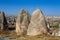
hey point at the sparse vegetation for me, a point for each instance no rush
(12, 35)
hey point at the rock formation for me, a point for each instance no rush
(37, 24)
(56, 32)
(11, 20)
(22, 22)
(3, 21)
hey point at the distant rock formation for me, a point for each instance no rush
(3, 21)
(56, 32)
(37, 24)
(11, 20)
(22, 22)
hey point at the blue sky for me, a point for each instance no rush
(48, 7)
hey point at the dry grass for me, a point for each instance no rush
(12, 35)
(38, 38)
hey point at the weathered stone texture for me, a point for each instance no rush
(22, 22)
(3, 21)
(37, 23)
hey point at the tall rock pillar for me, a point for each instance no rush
(3, 21)
(37, 24)
(22, 22)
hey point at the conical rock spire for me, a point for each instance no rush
(37, 23)
(22, 22)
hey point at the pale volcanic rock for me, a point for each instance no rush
(3, 21)
(22, 22)
(37, 24)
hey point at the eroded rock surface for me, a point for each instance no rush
(37, 23)
(22, 22)
(3, 21)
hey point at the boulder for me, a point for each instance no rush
(37, 24)
(22, 22)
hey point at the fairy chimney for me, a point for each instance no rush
(22, 22)
(37, 24)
